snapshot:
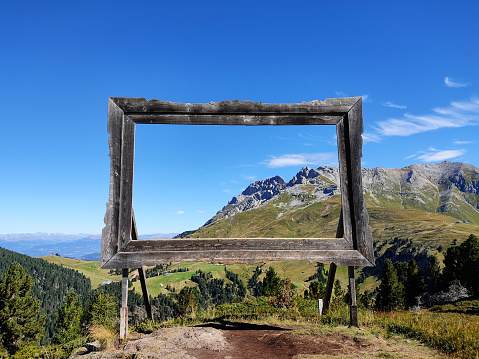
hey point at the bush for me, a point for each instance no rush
(284, 298)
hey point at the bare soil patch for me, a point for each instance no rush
(230, 340)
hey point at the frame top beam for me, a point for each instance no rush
(246, 113)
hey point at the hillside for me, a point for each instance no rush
(431, 204)
(90, 269)
(51, 284)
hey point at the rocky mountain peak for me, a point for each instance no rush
(315, 176)
(270, 185)
(451, 187)
(256, 194)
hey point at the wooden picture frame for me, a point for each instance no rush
(353, 243)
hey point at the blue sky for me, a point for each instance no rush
(414, 63)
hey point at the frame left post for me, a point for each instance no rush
(124, 306)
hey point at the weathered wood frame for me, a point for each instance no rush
(353, 245)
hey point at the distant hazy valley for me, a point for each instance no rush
(78, 246)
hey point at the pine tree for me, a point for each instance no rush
(69, 319)
(462, 264)
(188, 300)
(271, 283)
(102, 311)
(414, 284)
(401, 271)
(19, 320)
(254, 284)
(470, 268)
(339, 294)
(433, 275)
(390, 291)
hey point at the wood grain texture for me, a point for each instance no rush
(239, 244)
(353, 308)
(235, 119)
(343, 159)
(330, 106)
(151, 258)
(329, 287)
(124, 305)
(109, 239)
(123, 323)
(360, 221)
(126, 183)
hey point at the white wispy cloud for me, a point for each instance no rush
(302, 159)
(200, 211)
(435, 155)
(248, 178)
(458, 114)
(462, 142)
(366, 99)
(370, 137)
(450, 83)
(180, 212)
(391, 104)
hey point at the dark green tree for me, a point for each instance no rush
(316, 290)
(433, 275)
(414, 284)
(401, 271)
(339, 294)
(271, 283)
(391, 291)
(188, 300)
(164, 307)
(69, 319)
(254, 284)
(52, 283)
(462, 264)
(20, 323)
(102, 311)
(366, 299)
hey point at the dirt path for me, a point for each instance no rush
(245, 341)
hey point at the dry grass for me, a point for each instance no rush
(105, 336)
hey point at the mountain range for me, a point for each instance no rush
(432, 204)
(77, 246)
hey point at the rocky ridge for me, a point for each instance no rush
(451, 187)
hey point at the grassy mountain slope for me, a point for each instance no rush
(90, 269)
(320, 220)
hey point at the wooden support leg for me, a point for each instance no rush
(329, 287)
(124, 306)
(332, 268)
(141, 271)
(352, 291)
(144, 289)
